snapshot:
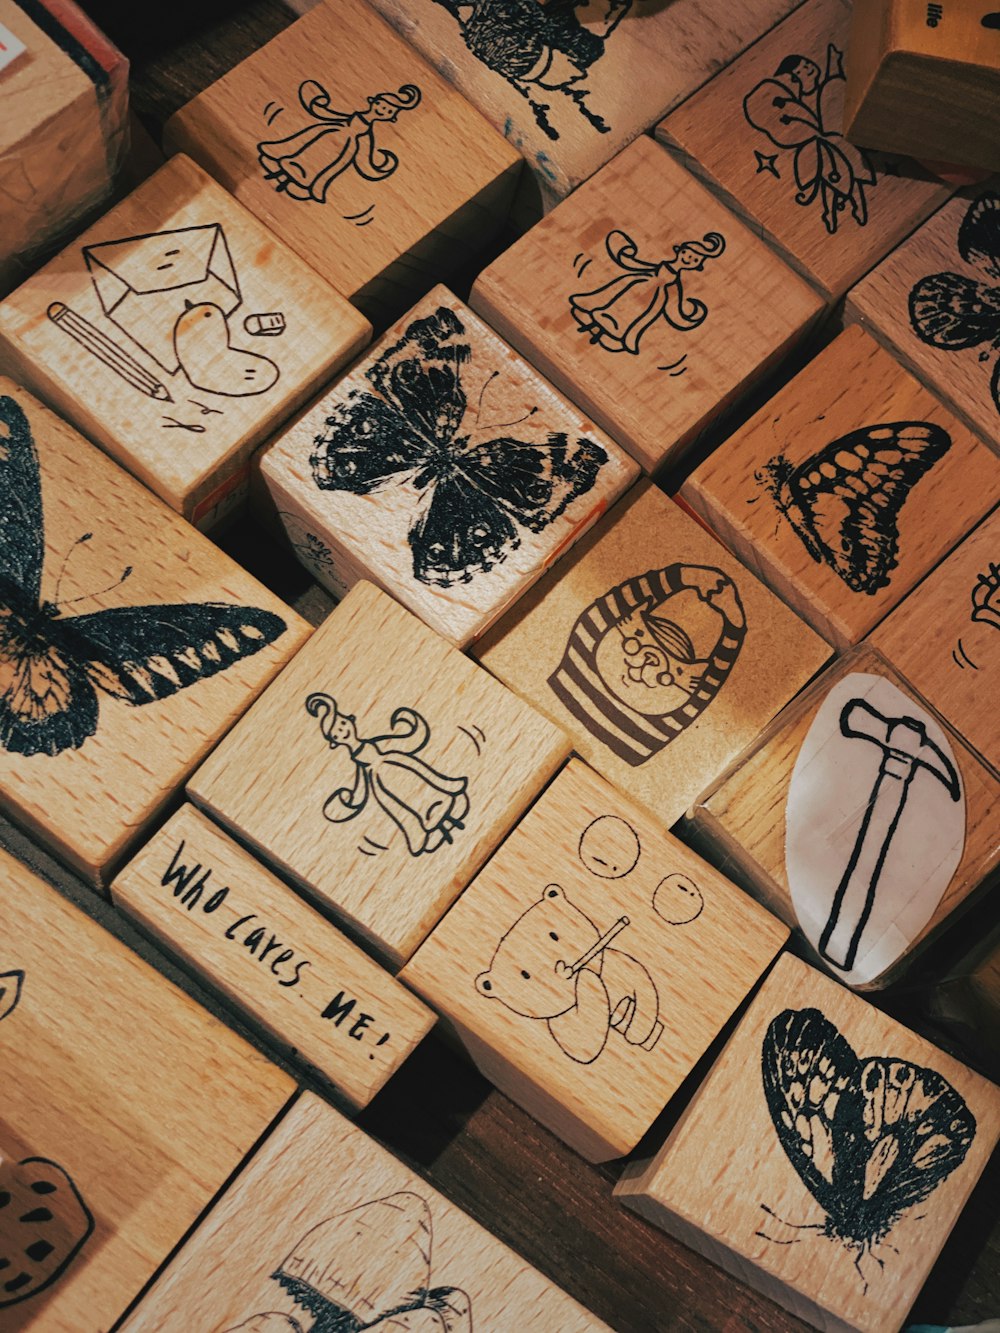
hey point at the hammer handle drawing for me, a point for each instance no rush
(601, 944)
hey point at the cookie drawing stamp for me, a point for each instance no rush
(44, 1224)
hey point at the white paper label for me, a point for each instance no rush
(10, 47)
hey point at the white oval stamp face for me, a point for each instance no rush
(874, 826)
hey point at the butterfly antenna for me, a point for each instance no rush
(501, 425)
(482, 392)
(88, 596)
(86, 537)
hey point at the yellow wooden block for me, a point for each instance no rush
(128, 642)
(380, 771)
(323, 1222)
(354, 151)
(204, 898)
(848, 487)
(861, 818)
(934, 304)
(177, 333)
(458, 517)
(826, 1157)
(945, 639)
(125, 1108)
(646, 302)
(767, 134)
(656, 650)
(591, 963)
(571, 85)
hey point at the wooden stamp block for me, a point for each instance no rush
(826, 1157)
(644, 300)
(935, 305)
(571, 87)
(766, 133)
(204, 898)
(377, 175)
(177, 333)
(591, 963)
(324, 1223)
(945, 639)
(861, 818)
(656, 650)
(457, 519)
(848, 487)
(401, 767)
(125, 1108)
(128, 642)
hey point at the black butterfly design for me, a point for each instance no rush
(477, 496)
(953, 311)
(50, 664)
(843, 501)
(869, 1139)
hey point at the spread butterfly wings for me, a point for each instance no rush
(844, 501)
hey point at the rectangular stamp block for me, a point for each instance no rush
(656, 650)
(125, 1108)
(444, 469)
(250, 937)
(342, 139)
(859, 817)
(766, 133)
(177, 333)
(826, 1158)
(591, 962)
(847, 488)
(401, 766)
(646, 302)
(128, 642)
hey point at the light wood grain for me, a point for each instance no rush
(205, 899)
(129, 1089)
(475, 572)
(213, 391)
(724, 1165)
(374, 230)
(108, 544)
(852, 385)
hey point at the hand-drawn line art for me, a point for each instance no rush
(645, 660)
(427, 806)
(954, 312)
(554, 965)
(476, 735)
(869, 1139)
(985, 610)
(678, 900)
(51, 665)
(171, 293)
(609, 847)
(269, 325)
(541, 49)
(193, 427)
(471, 500)
(272, 1321)
(11, 985)
(800, 107)
(304, 164)
(617, 314)
(844, 500)
(906, 748)
(44, 1222)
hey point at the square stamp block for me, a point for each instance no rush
(591, 962)
(935, 304)
(112, 1137)
(128, 642)
(848, 487)
(766, 133)
(401, 765)
(205, 899)
(861, 818)
(176, 333)
(826, 1157)
(444, 469)
(352, 149)
(656, 650)
(945, 639)
(571, 85)
(324, 1223)
(646, 302)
